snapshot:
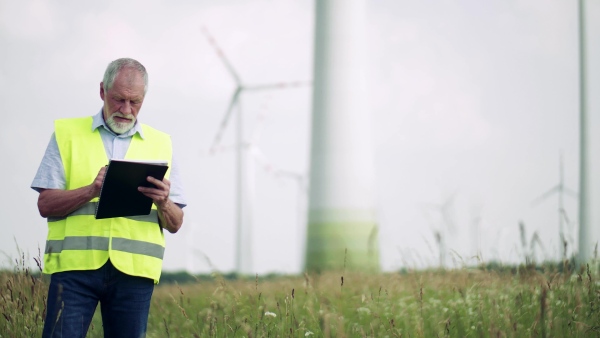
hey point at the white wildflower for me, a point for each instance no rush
(270, 314)
(308, 333)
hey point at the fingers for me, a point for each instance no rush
(97, 184)
(165, 184)
(101, 174)
(160, 194)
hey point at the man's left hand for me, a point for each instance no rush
(160, 194)
(170, 215)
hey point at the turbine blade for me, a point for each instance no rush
(221, 55)
(279, 85)
(545, 195)
(226, 118)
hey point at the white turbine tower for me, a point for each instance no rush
(560, 190)
(342, 223)
(244, 173)
(589, 106)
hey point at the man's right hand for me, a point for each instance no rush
(97, 184)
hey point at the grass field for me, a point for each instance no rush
(499, 302)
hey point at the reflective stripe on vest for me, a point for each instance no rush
(135, 245)
(102, 243)
(90, 209)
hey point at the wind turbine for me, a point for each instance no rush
(560, 189)
(342, 216)
(244, 173)
(258, 157)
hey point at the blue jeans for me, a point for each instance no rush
(74, 295)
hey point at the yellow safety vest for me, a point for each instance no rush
(79, 241)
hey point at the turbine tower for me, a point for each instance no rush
(342, 225)
(589, 106)
(244, 173)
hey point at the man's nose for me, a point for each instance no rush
(126, 108)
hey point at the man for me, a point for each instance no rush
(113, 261)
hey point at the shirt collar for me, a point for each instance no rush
(98, 121)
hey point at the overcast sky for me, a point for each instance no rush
(472, 102)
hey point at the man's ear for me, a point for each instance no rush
(102, 90)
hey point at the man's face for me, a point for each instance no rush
(123, 101)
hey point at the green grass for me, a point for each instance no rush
(22, 301)
(523, 302)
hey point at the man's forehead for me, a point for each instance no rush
(129, 82)
(129, 75)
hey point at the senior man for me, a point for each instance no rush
(87, 264)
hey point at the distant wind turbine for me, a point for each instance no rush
(560, 189)
(244, 174)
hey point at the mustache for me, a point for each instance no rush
(126, 116)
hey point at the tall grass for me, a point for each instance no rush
(463, 303)
(22, 300)
(523, 302)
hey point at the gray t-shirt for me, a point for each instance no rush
(51, 173)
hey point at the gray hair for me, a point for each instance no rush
(115, 67)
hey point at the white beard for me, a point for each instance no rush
(120, 127)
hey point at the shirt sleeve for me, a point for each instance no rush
(176, 194)
(51, 173)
